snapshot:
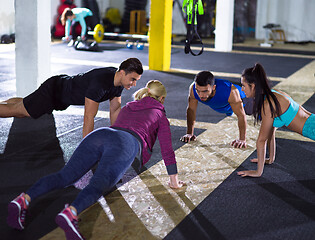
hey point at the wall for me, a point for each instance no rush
(296, 18)
(7, 22)
(179, 26)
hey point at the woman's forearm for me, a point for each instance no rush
(261, 155)
(272, 147)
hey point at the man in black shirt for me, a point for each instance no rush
(88, 89)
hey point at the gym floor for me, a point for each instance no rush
(216, 203)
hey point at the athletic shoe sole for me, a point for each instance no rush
(71, 232)
(14, 213)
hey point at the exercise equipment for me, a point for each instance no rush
(99, 34)
(273, 33)
(193, 9)
(12, 36)
(86, 46)
(112, 20)
(140, 45)
(130, 44)
(138, 22)
(131, 5)
(5, 39)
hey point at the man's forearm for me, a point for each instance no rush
(113, 116)
(88, 126)
(242, 128)
(191, 118)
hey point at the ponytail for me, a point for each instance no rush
(153, 88)
(141, 93)
(257, 76)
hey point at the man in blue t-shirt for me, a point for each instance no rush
(88, 89)
(223, 97)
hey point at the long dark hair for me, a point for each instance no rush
(257, 75)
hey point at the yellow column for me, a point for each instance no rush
(160, 35)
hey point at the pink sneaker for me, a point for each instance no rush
(17, 210)
(69, 223)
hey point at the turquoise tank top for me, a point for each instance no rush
(220, 102)
(80, 13)
(286, 118)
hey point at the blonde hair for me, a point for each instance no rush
(154, 89)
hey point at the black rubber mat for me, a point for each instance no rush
(273, 50)
(258, 48)
(275, 66)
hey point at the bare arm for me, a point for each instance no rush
(272, 146)
(165, 140)
(237, 107)
(191, 116)
(114, 109)
(266, 132)
(272, 149)
(90, 111)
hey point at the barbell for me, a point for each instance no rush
(99, 33)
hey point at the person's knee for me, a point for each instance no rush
(99, 186)
(95, 190)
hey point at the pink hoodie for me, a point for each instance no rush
(147, 118)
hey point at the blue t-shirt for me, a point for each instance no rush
(220, 102)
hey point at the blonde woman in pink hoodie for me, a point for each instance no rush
(114, 148)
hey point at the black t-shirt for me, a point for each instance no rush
(97, 85)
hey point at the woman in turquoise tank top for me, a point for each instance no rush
(273, 109)
(72, 17)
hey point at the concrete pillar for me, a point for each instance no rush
(32, 44)
(160, 36)
(224, 25)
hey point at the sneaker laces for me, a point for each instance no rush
(23, 214)
(74, 219)
(75, 223)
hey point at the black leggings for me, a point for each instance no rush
(90, 23)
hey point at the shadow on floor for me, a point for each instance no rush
(32, 151)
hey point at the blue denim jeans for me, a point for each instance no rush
(113, 150)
